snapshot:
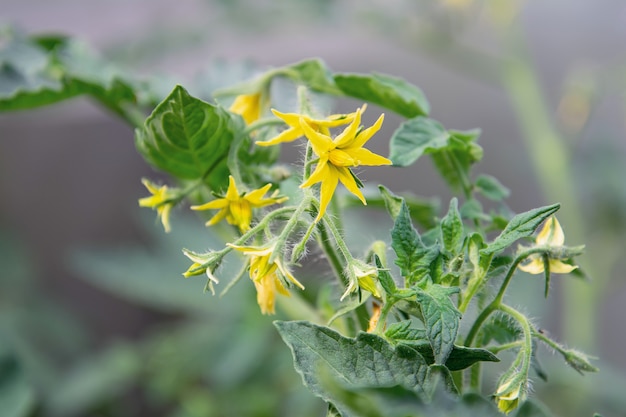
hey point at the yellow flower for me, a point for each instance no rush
(338, 155)
(248, 106)
(162, 200)
(550, 235)
(236, 208)
(266, 276)
(295, 129)
(510, 393)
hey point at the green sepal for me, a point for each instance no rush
(522, 225)
(189, 138)
(386, 91)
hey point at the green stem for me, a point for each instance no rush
(527, 345)
(497, 301)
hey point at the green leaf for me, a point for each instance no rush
(189, 138)
(522, 225)
(42, 71)
(385, 278)
(441, 319)
(315, 74)
(532, 408)
(401, 332)
(393, 203)
(491, 188)
(17, 397)
(460, 357)
(392, 93)
(413, 257)
(423, 211)
(416, 137)
(452, 228)
(367, 361)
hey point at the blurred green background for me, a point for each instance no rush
(95, 318)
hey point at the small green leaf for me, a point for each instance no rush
(441, 319)
(460, 357)
(367, 361)
(314, 74)
(189, 138)
(532, 408)
(385, 278)
(401, 332)
(522, 225)
(491, 188)
(413, 257)
(423, 211)
(392, 93)
(416, 137)
(393, 203)
(452, 228)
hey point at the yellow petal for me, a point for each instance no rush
(559, 267)
(346, 137)
(340, 158)
(285, 136)
(212, 205)
(329, 184)
(291, 119)
(551, 234)
(255, 198)
(232, 193)
(288, 274)
(535, 266)
(319, 173)
(321, 143)
(164, 213)
(219, 216)
(366, 134)
(346, 178)
(364, 156)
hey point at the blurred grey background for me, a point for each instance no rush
(69, 174)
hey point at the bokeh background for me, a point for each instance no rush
(90, 294)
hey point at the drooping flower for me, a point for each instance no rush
(267, 275)
(551, 235)
(361, 275)
(511, 393)
(295, 129)
(203, 264)
(248, 106)
(237, 207)
(162, 200)
(338, 155)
